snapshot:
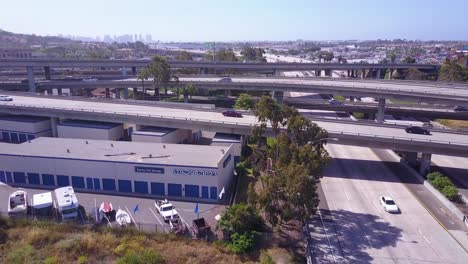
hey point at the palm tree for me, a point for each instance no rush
(160, 70)
(143, 75)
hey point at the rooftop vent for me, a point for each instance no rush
(68, 150)
(112, 145)
(164, 146)
(87, 142)
(222, 151)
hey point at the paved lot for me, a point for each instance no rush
(146, 215)
(354, 228)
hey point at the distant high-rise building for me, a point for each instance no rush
(140, 37)
(149, 38)
(135, 38)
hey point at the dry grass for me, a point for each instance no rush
(457, 124)
(55, 243)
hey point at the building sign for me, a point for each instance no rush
(149, 170)
(194, 172)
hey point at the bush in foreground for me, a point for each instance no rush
(147, 256)
(242, 243)
(451, 193)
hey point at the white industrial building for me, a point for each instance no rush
(229, 140)
(131, 168)
(162, 135)
(18, 128)
(90, 130)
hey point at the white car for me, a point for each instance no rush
(389, 204)
(6, 98)
(89, 79)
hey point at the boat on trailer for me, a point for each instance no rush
(122, 218)
(18, 203)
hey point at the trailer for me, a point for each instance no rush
(201, 229)
(67, 203)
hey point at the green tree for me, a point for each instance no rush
(160, 71)
(240, 218)
(409, 60)
(415, 74)
(183, 56)
(452, 71)
(143, 75)
(242, 242)
(221, 55)
(244, 101)
(288, 166)
(393, 57)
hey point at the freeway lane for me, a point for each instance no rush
(349, 133)
(360, 231)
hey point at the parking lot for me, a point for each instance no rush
(146, 216)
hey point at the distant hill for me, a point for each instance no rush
(26, 41)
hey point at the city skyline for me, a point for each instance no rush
(242, 20)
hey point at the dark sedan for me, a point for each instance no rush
(232, 113)
(417, 130)
(459, 108)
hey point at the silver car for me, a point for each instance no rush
(6, 98)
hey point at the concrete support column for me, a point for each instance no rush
(363, 73)
(411, 158)
(117, 93)
(135, 90)
(53, 125)
(124, 71)
(425, 163)
(276, 72)
(31, 81)
(381, 110)
(134, 71)
(378, 74)
(59, 91)
(390, 75)
(107, 92)
(349, 73)
(278, 97)
(186, 96)
(202, 71)
(226, 93)
(47, 72)
(317, 73)
(330, 73)
(125, 93)
(371, 116)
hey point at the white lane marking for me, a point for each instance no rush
(347, 196)
(377, 209)
(158, 219)
(391, 194)
(131, 216)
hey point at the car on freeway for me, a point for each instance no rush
(389, 204)
(6, 98)
(89, 79)
(232, 113)
(459, 108)
(225, 79)
(335, 102)
(417, 130)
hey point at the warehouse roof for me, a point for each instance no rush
(118, 151)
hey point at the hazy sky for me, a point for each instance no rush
(230, 20)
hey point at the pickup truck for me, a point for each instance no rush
(166, 210)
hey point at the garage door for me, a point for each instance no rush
(63, 180)
(6, 136)
(125, 186)
(22, 137)
(97, 184)
(174, 189)
(141, 187)
(78, 182)
(89, 183)
(14, 137)
(214, 193)
(192, 190)
(204, 192)
(157, 188)
(48, 179)
(19, 177)
(2, 176)
(108, 184)
(8, 176)
(33, 178)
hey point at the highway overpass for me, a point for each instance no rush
(360, 134)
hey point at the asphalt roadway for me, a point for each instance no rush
(353, 227)
(330, 125)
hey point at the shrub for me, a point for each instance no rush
(242, 243)
(265, 258)
(147, 256)
(451, 193)
(339, 98)
(240, 218)
(241, 170)
(358, 115)
(82, 259)
(433, 175)
(51, 260)
(23, 254)
(441, 182)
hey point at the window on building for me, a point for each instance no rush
(108, 184)
(125, 186)
(157, 188)
(63, 180)
(78, 182)
(33, 178)
(48, 179)
(19, 177)
(141, 187)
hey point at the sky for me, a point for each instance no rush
(241, 20)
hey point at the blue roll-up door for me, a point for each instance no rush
(8, 176)
(14, 137)
(48, 179)
(63, 180)
(174, 189)
(89, 183)
(33, 178)
(2, 176)
(125, 186)
(6, 136)
(108, 184)
(192, 190)
(204, 192)
(31, 137)
(19, 177)
(97, 184)
(22, 137)
(78, 182)
(157, 188)
(214, 193)
(141, 187)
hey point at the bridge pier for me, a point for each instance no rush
(202, 71)
(278, 97)
(226, 93)
(378, 74)
(31, 82)
(186, 96)
(59, 91)
(276, 72)
(363, 73)
(107, 92)
(47, 72)
(349, 73)
(124, 71)
(425, 164)
(117, 93)
(125, 93)
(390, 75)
(317, 73)
(134, 71)
(381, 110)
(53, 125)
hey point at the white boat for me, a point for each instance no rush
(122, 218)
(18, 203)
